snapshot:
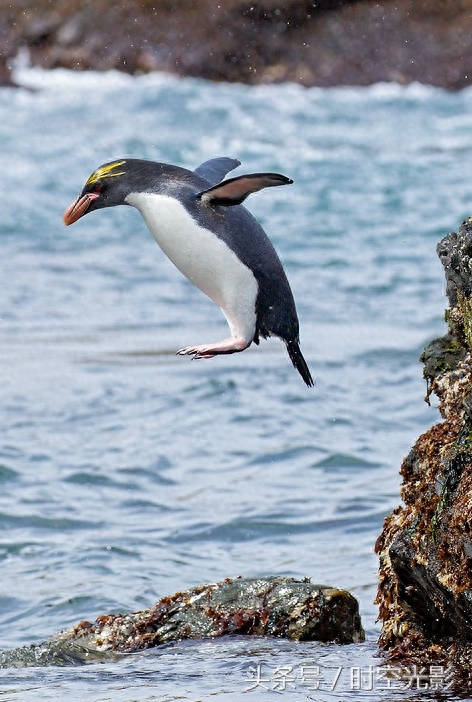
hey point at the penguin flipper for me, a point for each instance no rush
(215, 169)
(235, 190)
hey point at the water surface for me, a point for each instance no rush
(128, 473)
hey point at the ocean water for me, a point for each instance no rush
(127, 473)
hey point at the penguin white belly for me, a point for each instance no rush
(203, 258)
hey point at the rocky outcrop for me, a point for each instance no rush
(323, 43)
(277, 606)
(425, 549)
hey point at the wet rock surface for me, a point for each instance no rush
(324, 43)
(425, 549)
(277, 606)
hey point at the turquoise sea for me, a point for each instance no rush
(127, 473)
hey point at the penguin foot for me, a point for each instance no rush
(210, 350)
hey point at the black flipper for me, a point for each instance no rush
(215, 169)
(235, 190)
(299, 362)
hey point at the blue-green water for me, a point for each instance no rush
(128, 473)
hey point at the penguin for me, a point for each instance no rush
(199, 222)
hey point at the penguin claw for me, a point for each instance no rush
(194, 351)
(197, 356)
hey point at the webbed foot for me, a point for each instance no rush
(210, 350)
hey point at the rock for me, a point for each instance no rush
(277, 606)
(70, 32)
(5, 74)
(425, 548)
(323, 43)
(8, 51)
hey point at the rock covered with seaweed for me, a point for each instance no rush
(425, 549)
(278, 606)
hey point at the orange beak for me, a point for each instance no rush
(78, 208)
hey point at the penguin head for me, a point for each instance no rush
(107, 186)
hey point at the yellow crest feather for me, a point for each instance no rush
(105, 172)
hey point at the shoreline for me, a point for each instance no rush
(325, 44)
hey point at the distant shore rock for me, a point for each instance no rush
(324, 43)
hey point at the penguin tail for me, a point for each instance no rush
(299, 362)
